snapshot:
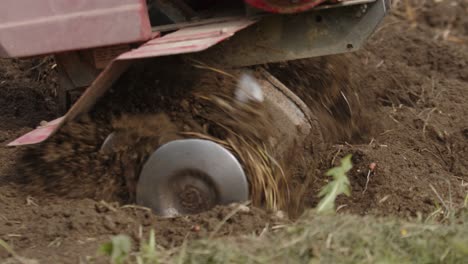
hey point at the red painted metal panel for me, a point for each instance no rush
(187, 40)
(36, 27)
(37, 135)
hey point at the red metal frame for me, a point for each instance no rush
(37, 27)
(187, 40)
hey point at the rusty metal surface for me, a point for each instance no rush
(186, 40)
(311, 34)
(35, 27)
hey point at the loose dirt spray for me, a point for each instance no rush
(72, 164)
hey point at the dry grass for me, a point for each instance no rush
(248, 141)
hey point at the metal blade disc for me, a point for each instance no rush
(190, 176)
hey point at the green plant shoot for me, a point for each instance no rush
(118, 249)
(148, 254)
(339, 185)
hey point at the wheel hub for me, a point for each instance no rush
(194, 191)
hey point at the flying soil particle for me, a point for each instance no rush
(144, 112)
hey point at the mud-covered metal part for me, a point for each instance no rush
(190, 176)
(292, 119)
(310, 34)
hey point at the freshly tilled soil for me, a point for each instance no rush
(405, 111)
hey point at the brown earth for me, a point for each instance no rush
(406, 112)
